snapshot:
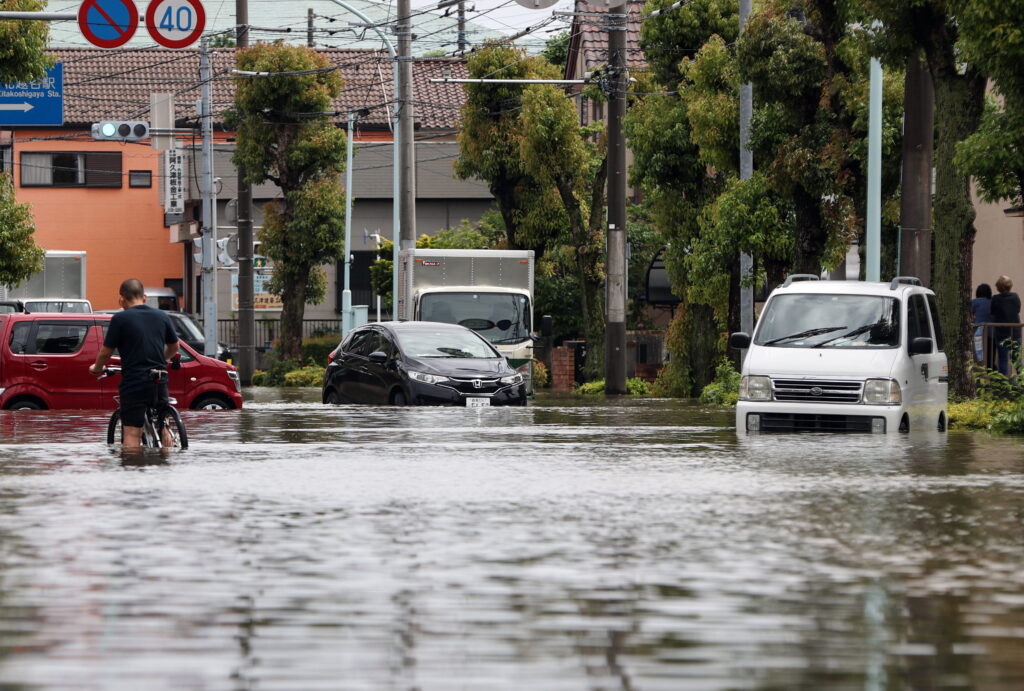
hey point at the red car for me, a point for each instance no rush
(45, 358)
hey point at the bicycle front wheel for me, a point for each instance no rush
(115, 433)
(171, 421)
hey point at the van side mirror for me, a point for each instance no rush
(921, 346)
(379, 357)
(739, 340)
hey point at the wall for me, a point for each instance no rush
(120, 229)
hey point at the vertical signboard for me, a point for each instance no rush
(174, 183)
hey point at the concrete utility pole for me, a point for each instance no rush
(309, 27)
(407, 151)
(209, 204)
(916, 200)
(873, 227)
(746, 171)
(246, 354)
(615, 269)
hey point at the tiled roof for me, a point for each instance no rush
(590, 36)
(115, 84)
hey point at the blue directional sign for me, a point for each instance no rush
(34, 103)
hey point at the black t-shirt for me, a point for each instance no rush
(1006, 310)
(139, 334)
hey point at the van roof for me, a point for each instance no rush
(852, 288)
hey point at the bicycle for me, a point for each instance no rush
(159, 418)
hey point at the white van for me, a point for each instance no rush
(844, 356)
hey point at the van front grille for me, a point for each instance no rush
(817, 390)
(789, 422)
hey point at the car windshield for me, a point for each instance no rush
(189, 326)
(58, 306)
(830, 321)
(498, 317)
(443, 343)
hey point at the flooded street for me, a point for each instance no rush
(570, 544)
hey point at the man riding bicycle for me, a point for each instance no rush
(145, 339)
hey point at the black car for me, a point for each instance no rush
(190, 332)
(420, 363)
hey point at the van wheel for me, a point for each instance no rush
(942, 422)
(904, 424)
(26, 404)
(212, 402)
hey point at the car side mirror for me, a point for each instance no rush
(379, 357)
(921, 346)
(739, 340)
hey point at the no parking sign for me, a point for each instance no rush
(175, 23)
(108, 23)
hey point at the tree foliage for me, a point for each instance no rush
(283, 137)
(20, 257)
(22, 43)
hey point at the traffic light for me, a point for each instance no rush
(259, 262)
(120, 130)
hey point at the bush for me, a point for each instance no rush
(317, 349)
(274, 374)
(310, 375)
(634, 387)
(725, 388)
(541, 377)
(1009, 420)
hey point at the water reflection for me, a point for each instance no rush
(568, 544)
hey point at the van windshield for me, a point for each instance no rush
(830, 321)
(498, 317)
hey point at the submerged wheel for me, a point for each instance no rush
(212, 402)
(942, 422)
(331, 398)
(398, 398)
(26, 404)
(904, 424)
(171, 421)
(115, 433)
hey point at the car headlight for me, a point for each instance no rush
(427, 378)
(882, 392)
(233, 376)
(512, 379)
(755, 388)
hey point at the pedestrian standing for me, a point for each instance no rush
(1006, 310)
(981, 312)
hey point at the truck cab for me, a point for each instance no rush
(844, 356)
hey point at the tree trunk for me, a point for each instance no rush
(293, 298)
(959, 101)
(810, 237)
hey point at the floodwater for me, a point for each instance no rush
(571, 544)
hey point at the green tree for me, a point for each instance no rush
(490, 146)
(933, 28)
(556, 49)
(22, 43)
(991, 37)
(285, 137)
(19, 255)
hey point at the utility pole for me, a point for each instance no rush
(873, 227)
(209, 205)
(246, 317)
(746, 172)
(309, 26)
(463, 43)
(407, 151)
(615, 269)
(916, 200)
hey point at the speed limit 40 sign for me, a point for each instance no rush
(175, 23)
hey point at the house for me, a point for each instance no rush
(101, 203)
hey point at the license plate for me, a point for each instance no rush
(478, 402)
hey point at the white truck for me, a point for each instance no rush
(489, 291)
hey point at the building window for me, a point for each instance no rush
(71, 169)
(140, 178)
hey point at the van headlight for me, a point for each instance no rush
(426, 378)
(513, 379)
(755, 388)
(882, 392)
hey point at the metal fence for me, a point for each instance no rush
(989, 355)
(268, 330)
